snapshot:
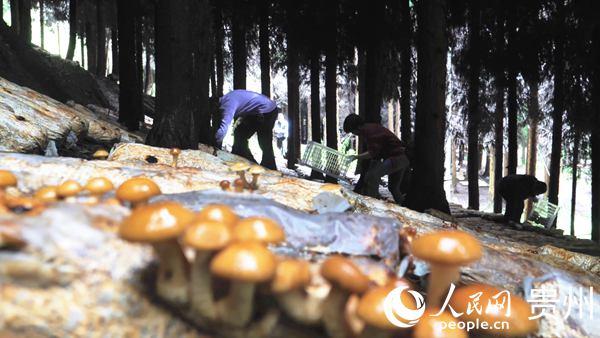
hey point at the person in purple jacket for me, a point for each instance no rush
(251, 113)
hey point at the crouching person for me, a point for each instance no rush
(386, 152)
(515, 189)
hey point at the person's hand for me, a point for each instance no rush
(352, 158)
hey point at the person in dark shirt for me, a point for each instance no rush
(252, 113)
(386, 152)
(515, 189)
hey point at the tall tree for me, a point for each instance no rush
(511, 82)
(406, 73)
(499, 80)
(265, 53)
(219, 45)
(181, 73)
(101, 39)
(293, 82)
(129, 97)
(42, 22)
(558, 103)
(474, 57)
(238, 44)
(25, 19)
(595, 141)
(14, 16)
(331, 9)
(372, 14)
(427, 187)
(72, 29)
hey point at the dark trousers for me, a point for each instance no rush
(515, 202)
(262, 125)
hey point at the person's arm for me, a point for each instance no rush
(226, 118)
(364, 156)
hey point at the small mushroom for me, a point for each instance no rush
(255, 171)
(260, 229)
(160, 224)
(100, 154)
(23, 204)
(240, 168)
(239, 185)
(68, 190)
(7, 180)
(206, 237)
(371, 311)
(175, 152)
(291, 278)
(245, 264)
(46, 194)
(445, 251)
(10, 237)
(219, 213)
(517, 315)
(225, 185)
(432, 325)
(345, 279)
(98, 186)
(137, 191)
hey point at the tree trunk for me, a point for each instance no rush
(427, 188)
(315, 102)
(25, 20)
(558, 102)
(82, 47)
(92, 50)
(42, 23)
(219, 42)
(373, 13)
(512, 95)
(499, 109)
(72, 29)
(202, 53)
(595, 139)
(575, 174)
(331, 77)
(265, 53)
(293, 83)
(534, 108)
(129, 97)
(406, 74)
(238, 42)
(179, 106)
(473, 159)
(114, 41)
(101, 42)
(14, 16)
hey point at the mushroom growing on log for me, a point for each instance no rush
(260, 229)
(245, 264)
(206, 237)
(160, 224)
(240, 169)
(175, 152)
(68, 190)
(7, 180)
(137, 191)
(100, 154)
(345, 279)
(446, 252)
(255, 171)
(98, 186)
(288, 285)
(46, 194)
(219, 213)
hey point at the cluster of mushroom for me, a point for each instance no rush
(241, 183)
(446, 252)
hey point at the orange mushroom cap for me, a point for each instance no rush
(447, 247)
(520, 310)
(99, 185)
(260, 229)
(46, 194)
(244, 261)
(219, 213)
(100, 154)
(344, 273)
(68, 188)
(7, 179)
(137, 189)
(155, 222)
(371, 309)
(290, 274)
(207, 235)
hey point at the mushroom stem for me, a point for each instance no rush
(440, 277)
(254, 183)
(334, 308)
(201, 286)
(301, 307)
(242, 175)
(171, 281)
(175, 158)
(237, 307)
(373, 332)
